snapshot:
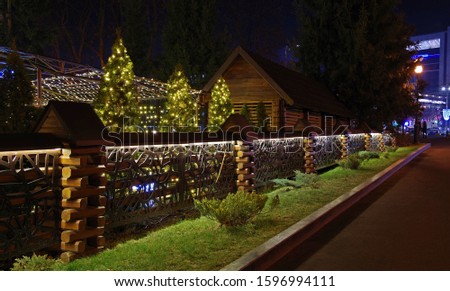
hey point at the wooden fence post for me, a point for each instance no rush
(368, 141)
(344, 146)
(381, 143)
(245, 170)
(310, 162)
(83, 201)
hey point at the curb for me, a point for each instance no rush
(267, 254)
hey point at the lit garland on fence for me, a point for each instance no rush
(220, 107)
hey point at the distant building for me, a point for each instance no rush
(434, 48)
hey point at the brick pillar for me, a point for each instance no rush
(244, 157)
(83, 202)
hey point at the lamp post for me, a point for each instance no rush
(417, 71)
(446, 111)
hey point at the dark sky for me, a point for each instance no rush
(427, 16)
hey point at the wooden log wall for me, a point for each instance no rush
(245, 166)
(291, 117)
(310, 162)
(83, 202)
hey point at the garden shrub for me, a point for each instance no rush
(35, 263)
(390, 149)
(352, 162)
(300, 180)
(367, 155)
(234, 210)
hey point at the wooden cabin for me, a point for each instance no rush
(290, 98)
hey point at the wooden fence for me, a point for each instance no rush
(63, 198)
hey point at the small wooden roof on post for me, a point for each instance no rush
(72, 122)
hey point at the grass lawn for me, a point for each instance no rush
(200, 244)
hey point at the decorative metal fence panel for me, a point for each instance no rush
(29, 202)
(356, 143)
(387, 138)
(327, 150)
(144, 182)
(375, 142)
(277, 158)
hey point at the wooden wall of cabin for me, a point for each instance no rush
(315, 119)
(248, 87)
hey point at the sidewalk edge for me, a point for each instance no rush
(268, 253)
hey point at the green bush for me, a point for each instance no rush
(367, 155)
(352, 162)
(390, 149)
(35, 263)
(235, 210)
(300, 180)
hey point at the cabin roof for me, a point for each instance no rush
(293, 87)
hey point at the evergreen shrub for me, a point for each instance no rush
(235, 210)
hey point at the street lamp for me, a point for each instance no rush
(417, 70)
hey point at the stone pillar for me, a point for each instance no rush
(83, 202)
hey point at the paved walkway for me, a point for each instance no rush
(403, 225)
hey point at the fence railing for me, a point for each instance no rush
(142, 182)
(356, 143)
(29, 201)
(277, 158)
(147, 181)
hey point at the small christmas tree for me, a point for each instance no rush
(117, 102)
(261, 116)
(181, 107)
(245, 111)
(16, 97)
(220, 107)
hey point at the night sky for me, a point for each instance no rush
(427, 16)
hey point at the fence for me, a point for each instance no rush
(29, 201)
(63, 198)
(150, 180)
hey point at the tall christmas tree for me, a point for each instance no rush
(220, 107)
(117, 102)
(181, 108)
(16, 96)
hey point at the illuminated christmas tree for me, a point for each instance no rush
(220, 107)
(117, 104)
(181, 108)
